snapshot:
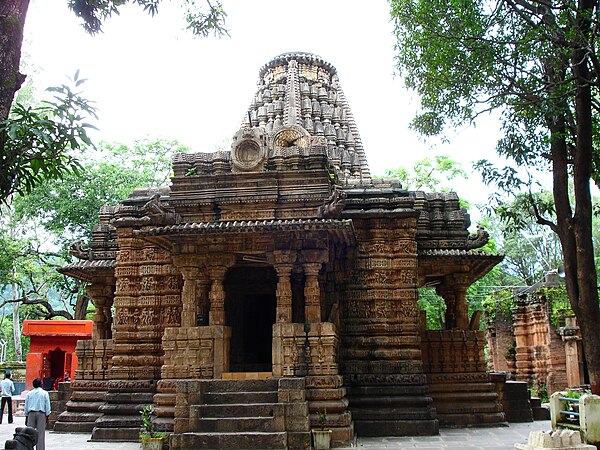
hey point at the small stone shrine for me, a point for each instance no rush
(275, 285)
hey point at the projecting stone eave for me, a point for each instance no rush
(435, 264)
(89, 270)
(342, 227)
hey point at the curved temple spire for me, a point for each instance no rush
(301, 89)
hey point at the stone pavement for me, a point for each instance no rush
(64, 441)
(497, 438)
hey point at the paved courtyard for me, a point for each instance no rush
(501, 438)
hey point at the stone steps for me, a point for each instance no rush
(255, 385)
(83, 409)
(517, 406)
(539, 412)
(233, 440)
(237, 397)
(237, 414)
(388, 410)
(451, 387)
(240, 424)
(236, 410)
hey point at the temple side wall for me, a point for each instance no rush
(380, 351)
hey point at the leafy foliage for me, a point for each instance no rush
(536, 63)
(434, 307)
(42, 224)
(39, 141)
(148, 430)
(558, 300)
(201, 21)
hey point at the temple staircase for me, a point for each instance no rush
(243, 414)
(83, 407)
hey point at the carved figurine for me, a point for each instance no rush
(333, 206)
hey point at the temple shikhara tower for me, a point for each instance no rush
(275, 283)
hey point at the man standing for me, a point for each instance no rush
(7, 387)
(37, 410)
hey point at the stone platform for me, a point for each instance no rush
(469, 438)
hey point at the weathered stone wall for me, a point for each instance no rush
(500, 340)
(539, 349)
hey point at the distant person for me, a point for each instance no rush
(37, 410)
(7, 387)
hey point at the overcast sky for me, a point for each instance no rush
(151, 78)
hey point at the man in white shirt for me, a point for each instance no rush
(7, 387)
(37, 410)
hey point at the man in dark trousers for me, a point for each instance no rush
(7, 387)
(37, 410)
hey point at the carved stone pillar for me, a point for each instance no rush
(217, 295)
(202, 291)
(312, 292)
(454, 292)
(189, 296)
(570, 336)
(284, 287)
(102, 295)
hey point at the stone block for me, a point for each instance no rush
(343, 436)
(296, 409)
(298, 440)
(325, 394)
(291, 384)
(563, 439)
(324, 382)
(589, 420)
(297, 423)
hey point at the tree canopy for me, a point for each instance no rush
(536, 62)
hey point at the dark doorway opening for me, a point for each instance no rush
(54, 368)
(250, 305)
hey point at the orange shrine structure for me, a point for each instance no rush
(51, 354)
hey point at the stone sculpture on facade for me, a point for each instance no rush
(281, 267)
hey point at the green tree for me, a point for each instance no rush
(38, 142)
(35, 142)
(67, 208)
(41, 225)
(433, 174)
(535, 61)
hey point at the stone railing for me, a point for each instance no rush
(581, 414)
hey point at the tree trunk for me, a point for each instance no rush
(587, 309)
(16, 324)
(12, 22)
(81, 307)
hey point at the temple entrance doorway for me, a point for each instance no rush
(250, 305)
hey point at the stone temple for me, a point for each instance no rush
(275, 284)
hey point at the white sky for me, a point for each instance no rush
(151, 78)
